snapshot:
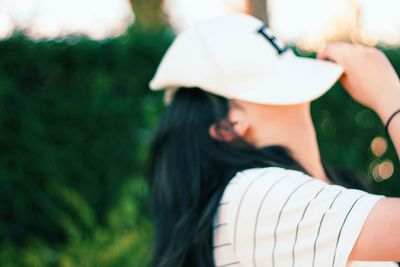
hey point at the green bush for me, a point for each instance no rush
(123, 240)
(75, 114)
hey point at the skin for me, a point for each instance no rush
(370, 79)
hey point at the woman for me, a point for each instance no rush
(236, 173)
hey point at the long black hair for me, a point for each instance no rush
(189, 171)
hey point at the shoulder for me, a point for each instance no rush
(280, 183)
(287, 215)
(279, 189)
(275, 182)
(263, 175)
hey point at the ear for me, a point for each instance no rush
(238, 125)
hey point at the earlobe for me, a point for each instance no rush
(223, 131)
(228, 131)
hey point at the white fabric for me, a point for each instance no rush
(229, 56)
(278, 217)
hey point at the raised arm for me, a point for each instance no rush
(371, 80)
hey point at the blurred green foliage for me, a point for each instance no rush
(123, 240)
(76, 120)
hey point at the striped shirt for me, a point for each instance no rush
(284, 218)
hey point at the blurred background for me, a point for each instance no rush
(77, 117)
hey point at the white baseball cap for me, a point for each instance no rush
(235, 56)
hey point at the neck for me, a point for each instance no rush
(292, 128)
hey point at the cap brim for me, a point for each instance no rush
(296, 81)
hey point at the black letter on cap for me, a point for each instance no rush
(278, 45)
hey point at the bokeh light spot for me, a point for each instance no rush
(379, 146)
(328, 127)
(365, 119)
(383, 170)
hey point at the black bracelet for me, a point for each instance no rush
(390, 119)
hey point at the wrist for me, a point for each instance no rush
(387, 109)
(389, 121)
(385, 115)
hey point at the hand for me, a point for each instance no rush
(368, 77)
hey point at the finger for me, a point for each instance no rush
(321, 54)
(335, 52)
(325, 53)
